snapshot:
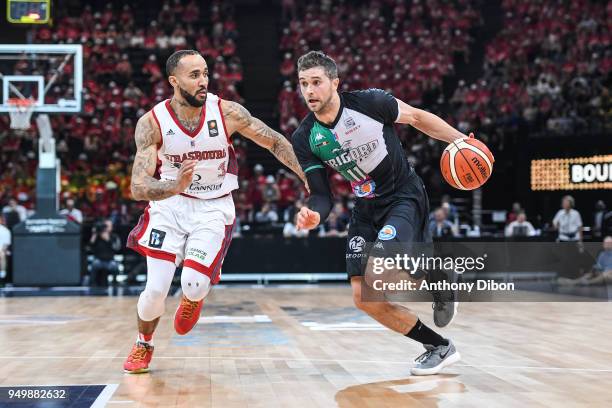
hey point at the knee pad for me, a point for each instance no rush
(151, 305)
(195, 285)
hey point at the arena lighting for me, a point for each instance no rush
(577, 173)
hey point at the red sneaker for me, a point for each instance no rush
(187, 315)
(139, 359)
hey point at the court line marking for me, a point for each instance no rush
(315, 360)
(105, 395)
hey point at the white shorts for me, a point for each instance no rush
(182, 229)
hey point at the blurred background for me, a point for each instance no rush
(530, 78)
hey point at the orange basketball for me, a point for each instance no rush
(466, 164)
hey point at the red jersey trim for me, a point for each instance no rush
(160, 144)
(227, 135)
(214, 270)
(178, 123)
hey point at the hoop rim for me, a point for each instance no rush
(21, 112)
(19, 102)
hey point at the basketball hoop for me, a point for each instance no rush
(21, 112)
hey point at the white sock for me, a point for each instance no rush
(141, 339)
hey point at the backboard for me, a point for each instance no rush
(49, 74)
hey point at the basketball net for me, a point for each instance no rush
(20, 113)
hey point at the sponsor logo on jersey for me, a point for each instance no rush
(196, 253)
(156, 239)
(197, 155)
(365, 189)
(352, 130)
(212, 128)
(356, 244)
(347, 155)
(349, 122)
(170, 132)
(197, 186)
(205, 187)
(387, 233)
(320, 140)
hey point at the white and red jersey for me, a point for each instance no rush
(216, 173)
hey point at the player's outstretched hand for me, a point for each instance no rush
(185, 175)
(308, 219)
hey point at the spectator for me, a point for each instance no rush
(290, 228)
(568, 221)
(5, 243)
(266, 214)
(133, 92)
(270, 191)
(334, 226)
(290, 213)
(598, 218)
(258, 175)
(601, 272)
(244, 207)
(14, 213)
(289, 189)
(104, 245)
(520, 227)
(440, 227)
(124, 68)
(513, 214)
(452, 213)
(151, 69)
(71, 212)
(343, 216)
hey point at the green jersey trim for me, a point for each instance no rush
(316, 166)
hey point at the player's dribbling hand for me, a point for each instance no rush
(185, 175)
(307, 219)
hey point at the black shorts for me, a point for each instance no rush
(389, 226)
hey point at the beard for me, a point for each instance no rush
(192, 99)
(324, 105)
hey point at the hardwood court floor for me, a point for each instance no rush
(307, 346)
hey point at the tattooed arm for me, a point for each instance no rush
(144, 186)
(238, 119)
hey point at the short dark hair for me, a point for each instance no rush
(314, 59)
(174, 59)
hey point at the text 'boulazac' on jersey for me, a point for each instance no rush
(361, 143)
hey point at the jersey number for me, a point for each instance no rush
(222, 170)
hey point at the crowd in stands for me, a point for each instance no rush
(547, 69)
(124, 54)
(389, 44)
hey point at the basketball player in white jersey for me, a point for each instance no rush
(186, 168)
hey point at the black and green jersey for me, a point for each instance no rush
(360, 144)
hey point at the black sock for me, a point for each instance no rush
(425, 335)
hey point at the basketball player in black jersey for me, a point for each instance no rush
(353, 133)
